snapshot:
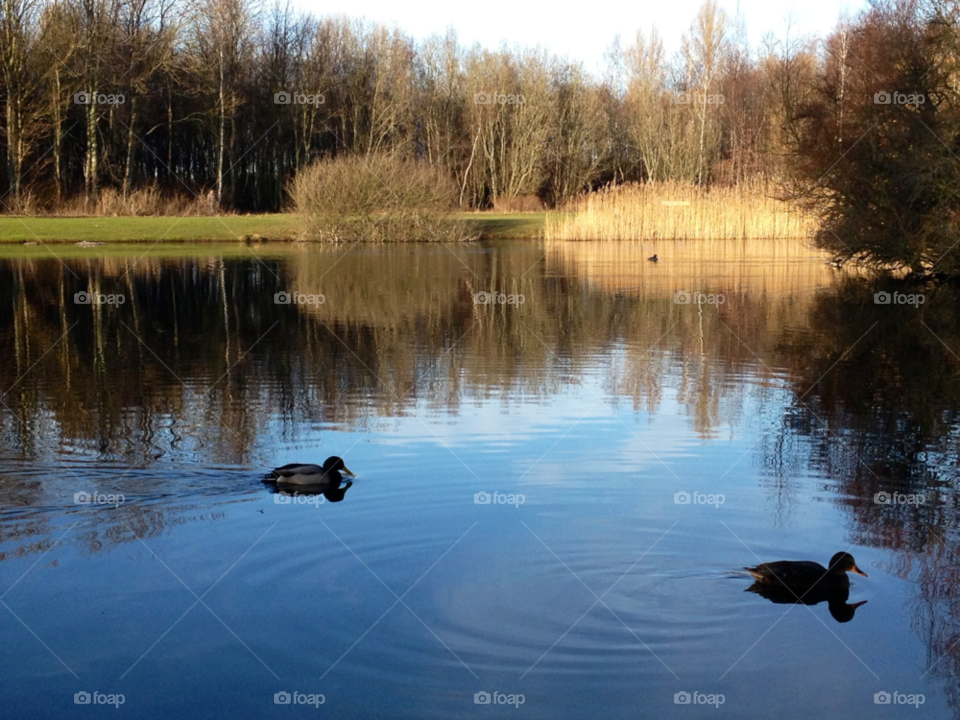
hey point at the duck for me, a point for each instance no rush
(307, 474)
(653, 258)
(804, 576)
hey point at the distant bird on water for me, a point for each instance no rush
(653, 258)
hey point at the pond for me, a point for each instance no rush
(565, 455)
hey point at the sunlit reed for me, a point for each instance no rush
(677, 211)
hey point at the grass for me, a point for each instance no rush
(127, 250)
(145, 229)
(227, 228)
(675, 211)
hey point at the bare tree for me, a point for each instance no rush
(17, 40)
(703, 50)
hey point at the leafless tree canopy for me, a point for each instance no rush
(227, 100)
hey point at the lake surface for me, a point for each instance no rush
(517, 529)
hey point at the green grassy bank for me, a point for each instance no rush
(219, 229)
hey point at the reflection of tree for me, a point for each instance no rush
(880, 411)
(200, 360)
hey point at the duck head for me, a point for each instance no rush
(335, 463)
(843, 562)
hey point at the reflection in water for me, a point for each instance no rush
(836, 599)
(878, 408)
(331, 491)
(201, 366)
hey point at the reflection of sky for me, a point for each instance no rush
(296, 592)
(299, 585)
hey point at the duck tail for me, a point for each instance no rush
(271, 477)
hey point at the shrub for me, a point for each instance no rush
(376, 198)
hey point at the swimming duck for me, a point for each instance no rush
(305, 474)
(653, 258)
(802, 576)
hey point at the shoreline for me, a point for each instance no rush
(278, 227)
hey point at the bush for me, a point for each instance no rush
(376, 198)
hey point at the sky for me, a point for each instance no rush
(584, 30)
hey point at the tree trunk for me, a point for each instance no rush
(91, 163)
(57, 136)
(131, 138)
(220, 142)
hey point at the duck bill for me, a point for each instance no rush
(854, 606)
(348, 471)
(858, 571)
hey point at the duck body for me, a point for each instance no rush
(804, 577)
(309, 474)
(653, 258)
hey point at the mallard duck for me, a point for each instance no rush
(653, 258)
(305, 474)
(802, 576)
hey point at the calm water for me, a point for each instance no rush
(589, 590)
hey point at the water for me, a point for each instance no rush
(583, 586)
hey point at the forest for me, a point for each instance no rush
(222, 102)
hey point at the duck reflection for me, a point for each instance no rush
(836, 599)
(331, 491)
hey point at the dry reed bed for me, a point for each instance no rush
(677, 211)
(784, 267)
(149, 201)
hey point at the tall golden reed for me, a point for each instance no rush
(678, 211)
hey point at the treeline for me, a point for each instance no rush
(189, 97)
(225, 100)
